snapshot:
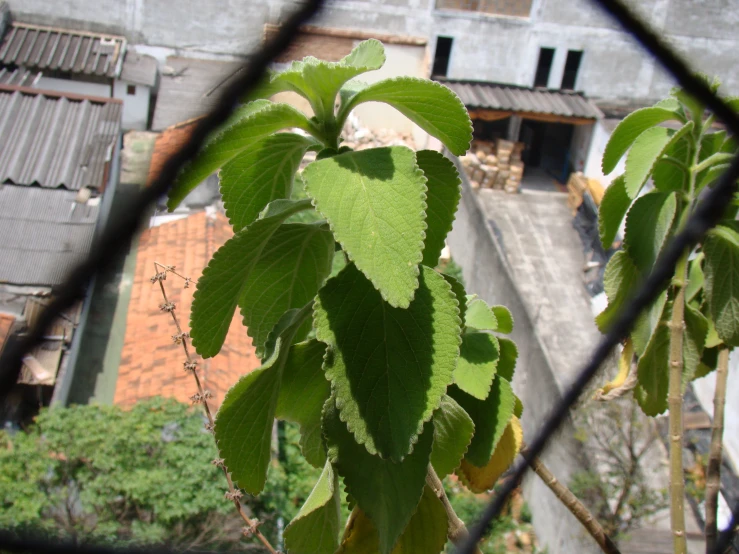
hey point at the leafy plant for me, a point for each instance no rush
(403, 380)
(679, 337)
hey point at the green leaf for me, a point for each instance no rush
(694, 340)
(612, 210)
(289, 272)
(508, 356)
(505, 319)
(670, 173)
(712, 338)
(619, 280)
(453, 430)
(303, 393)
(479, 315)
(459, 293)
(442, 197)
(517, 407)
(711, 175)
(628, 130)
(430, 105)
(387, 491)
(490, 417)
(648, 225)
(478, 360)
(374, 201)
(259, 175)
(653, 373)
(425, 534)
(389, 367)
(647, 323)
(647, 149)
(668, 104)
(319, 81)
(243, 426)
(696, 279)
(722, 282)
(221, 285)
(709, 361)
(315, 530)
(264, 118)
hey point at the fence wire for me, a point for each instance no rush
(119, 231)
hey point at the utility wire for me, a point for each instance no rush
(128, 219)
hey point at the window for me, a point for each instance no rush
(441, 57)
(131, 90)
(569, 78)
(546, 55)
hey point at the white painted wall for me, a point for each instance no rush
(75, 87)
(135, 107)
(580, 146)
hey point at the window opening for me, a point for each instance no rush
(441, 57)
(572, 65)
(546, 55)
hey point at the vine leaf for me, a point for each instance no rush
(478, 360)
(315, 530)
(653, 373)
(453, 430)
(388, 367)
(288, 273)
(629, 129)
(619, 279)
(431, 106)
(259, 119)
(722, 282)
(479, 315)
(374, 201)
(243, 425)
(319, 81)
(612, 210)
(426, 531)
(508, 355)
(259, 175)
(481, 479)
(647, 322)
(694, 340)
(505, 319)
(220, 287)
(387, 491)
(696, 278)
(459, 293)
(442, 197)
(666, 175)
(648, 225)
(303, 393)
(490, 417)
(648, 148)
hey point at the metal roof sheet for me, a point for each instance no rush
(56, 140)
(20, 76)
(139, 69)
(43, 234)
(497, 96)
(66, 50)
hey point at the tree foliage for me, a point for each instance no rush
(400, 352)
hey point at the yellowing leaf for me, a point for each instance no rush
(624, 367)
(481, 479)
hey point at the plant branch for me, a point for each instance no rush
(457, 530)
(713, 471)
(574, 505)
(675, 403)
(233, 494)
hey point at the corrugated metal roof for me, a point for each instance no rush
(43, 234)
(139, 69)
(56, 140)
(66, 50)
(19, 76)
(502, 97)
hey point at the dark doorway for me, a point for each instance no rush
(441, 57)
(491, 130)
(547, 147)
(543, 67)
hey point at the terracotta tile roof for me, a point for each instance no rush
(166, 144)
(6, 323)
(151, 364)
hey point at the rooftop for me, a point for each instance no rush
(189, 88)
(139, 69)
(55, 139)
(523, 100)
(151, 363)
(44, 234)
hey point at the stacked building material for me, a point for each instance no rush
(495, 165)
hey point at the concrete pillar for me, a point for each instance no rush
(514, 128)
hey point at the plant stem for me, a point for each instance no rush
(457, 530)
(675, 403)
(251, 524)
(713, 472)
(574, 505)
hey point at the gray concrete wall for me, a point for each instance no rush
(477, 250)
